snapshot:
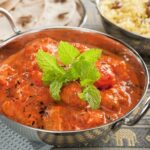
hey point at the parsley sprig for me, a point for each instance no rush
(76, 66)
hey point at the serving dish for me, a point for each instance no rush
(90, 37)
(140, 43)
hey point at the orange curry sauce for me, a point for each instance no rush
(25, 99)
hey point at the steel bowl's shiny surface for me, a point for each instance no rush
(140, 43)
(95, 39)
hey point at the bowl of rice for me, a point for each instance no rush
(128, 20)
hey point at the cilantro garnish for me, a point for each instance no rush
(76, 66)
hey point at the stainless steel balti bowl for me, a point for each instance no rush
(140, 43)
(95, 39)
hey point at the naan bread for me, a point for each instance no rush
(27, 13)
(57, 13)
(30, 14)
(8, 4)
(78, 15)
(2, 1)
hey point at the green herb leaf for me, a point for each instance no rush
(91, 55)
(49, 76)
(87, 71)
(71, 75)
(55, 88)
(67, 52)
(92, 95)
(78, 66)
(47, 62)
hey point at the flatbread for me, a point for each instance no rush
(8, 4)
(3, 1)
(27, 13)
(30, 14)
(77, 16)
(57, 13)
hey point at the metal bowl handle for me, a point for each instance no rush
(142, 110)
(11, 20)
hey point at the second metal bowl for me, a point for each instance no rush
(140, 43)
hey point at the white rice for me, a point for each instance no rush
(131, 16)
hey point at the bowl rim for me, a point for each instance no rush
(133, 34)
(85, 30)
